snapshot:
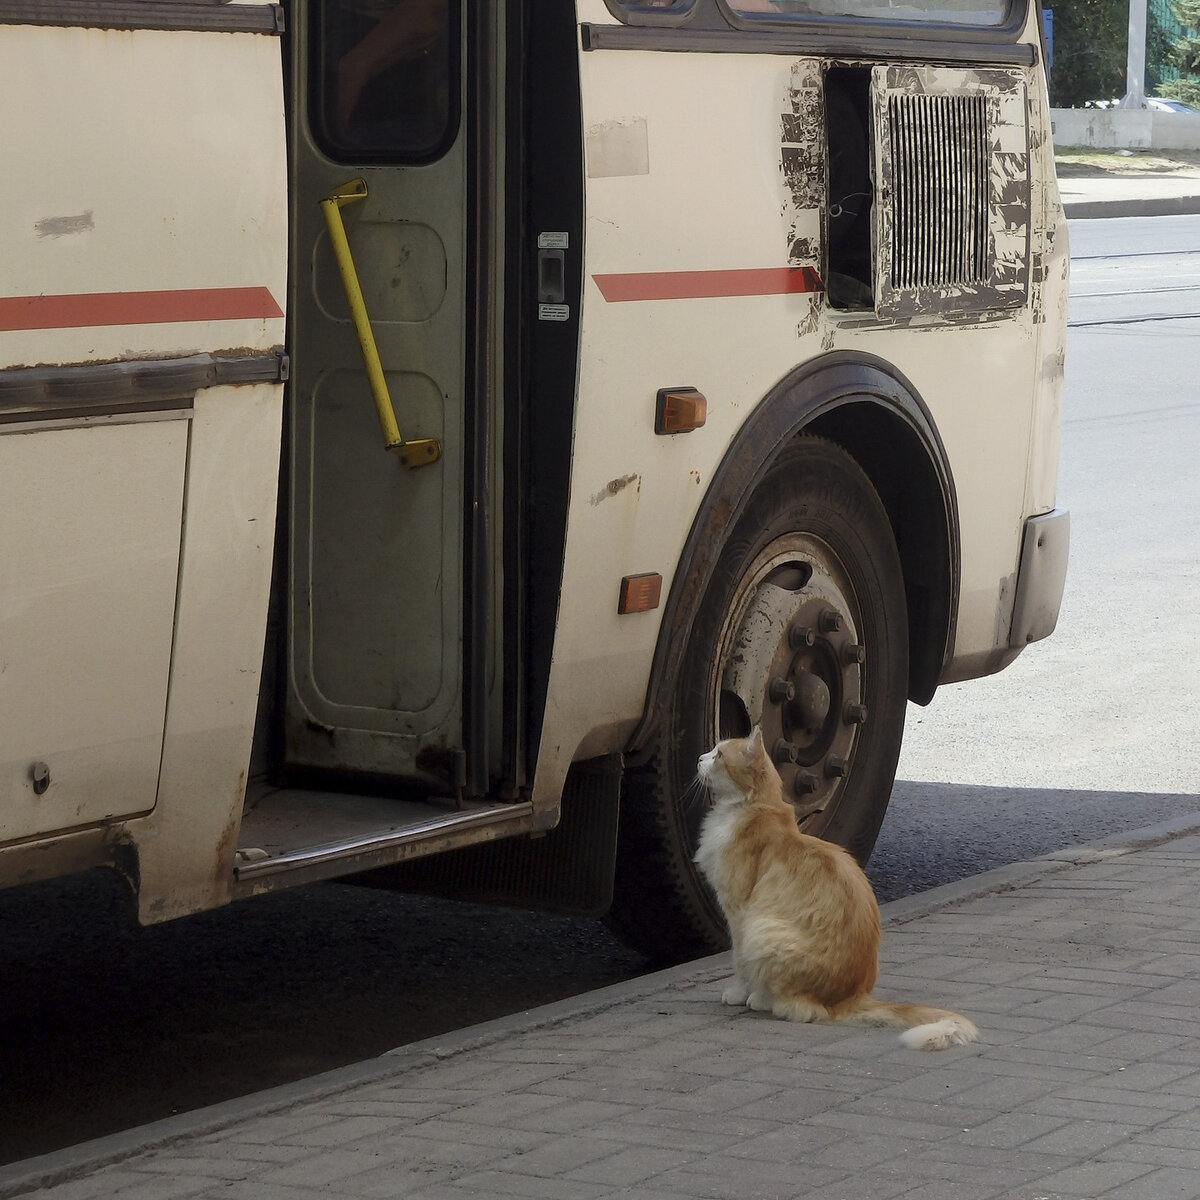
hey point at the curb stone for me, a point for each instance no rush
(1162, 206)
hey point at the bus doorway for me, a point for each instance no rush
(416, 589)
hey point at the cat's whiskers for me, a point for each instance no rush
(698, 794)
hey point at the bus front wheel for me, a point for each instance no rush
(802, 630)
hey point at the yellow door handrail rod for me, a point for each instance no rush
(416, 452)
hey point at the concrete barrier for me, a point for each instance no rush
(1175, 131)
(1125, 129)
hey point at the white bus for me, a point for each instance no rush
(426, 426)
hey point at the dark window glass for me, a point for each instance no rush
(385, 85)
(953, 12)
(645, 7)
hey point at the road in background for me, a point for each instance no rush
(105, 1025)
(1094, 730)
(1109, 702)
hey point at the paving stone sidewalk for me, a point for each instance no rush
(1082, 970)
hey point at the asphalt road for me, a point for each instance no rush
(1094, 730)
(1108, 704)
(104, 1025)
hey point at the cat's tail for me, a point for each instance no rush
(924, 1028)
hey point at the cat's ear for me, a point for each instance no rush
(754, 741)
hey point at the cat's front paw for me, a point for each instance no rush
(735, 995)
(760, 1001)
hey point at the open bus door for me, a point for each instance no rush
(376, 578)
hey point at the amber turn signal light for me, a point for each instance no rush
(640, 593)
(679, 410)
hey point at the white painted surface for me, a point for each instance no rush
(90, 529)
(142, 142)
(186, 848)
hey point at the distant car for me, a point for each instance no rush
(1162, 105)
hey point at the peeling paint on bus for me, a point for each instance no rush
(54, 227)
(614, 486)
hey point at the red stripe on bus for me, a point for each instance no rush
(137, 308)
(695, 285)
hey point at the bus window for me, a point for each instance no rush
(678, 6)
(652, 12)
(952, 12)
(384, 72)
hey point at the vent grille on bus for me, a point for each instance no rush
(939, 147)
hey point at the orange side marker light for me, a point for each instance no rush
(640, 593)
(679, 410)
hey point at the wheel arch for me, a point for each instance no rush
(869, 409)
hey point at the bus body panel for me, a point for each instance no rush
(147, 193)
(224, 580)
(700, 187)
(147, 198)
(91, 521)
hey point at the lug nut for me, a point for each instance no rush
(781, 691)
(854, 714)
(853, 654)
(805, 783)
(836, 768)
(784, 752)
(800, 636)
(831, 621)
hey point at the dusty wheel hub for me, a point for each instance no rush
(795, 667)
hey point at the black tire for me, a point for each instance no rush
(812, 552)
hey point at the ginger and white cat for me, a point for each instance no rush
(802, 915)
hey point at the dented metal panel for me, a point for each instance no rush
(952, 176)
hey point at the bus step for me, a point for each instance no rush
(289, 835)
